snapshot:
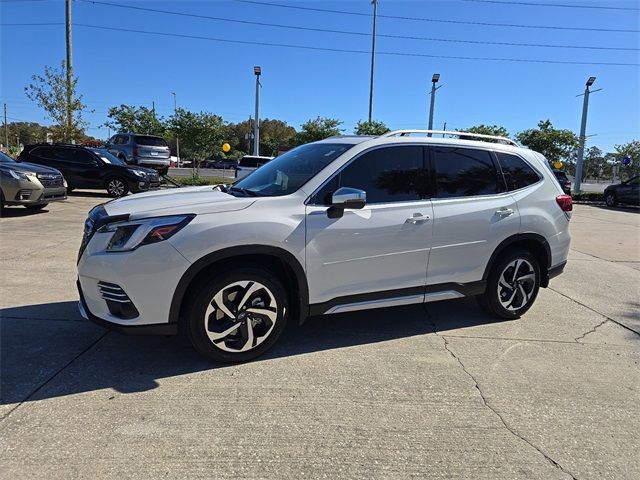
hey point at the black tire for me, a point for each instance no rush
(70, 189)
(36, 207)
(610, 199)
(1, 203)
(205, 318)
(510, 293)
(116, 187)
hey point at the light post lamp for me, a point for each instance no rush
(434, 80)
(256, 126)
(583, 132)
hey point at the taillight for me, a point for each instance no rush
(565, 203)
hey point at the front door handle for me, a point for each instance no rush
(417, 218)
(504, 212)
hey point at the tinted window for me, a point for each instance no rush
(253, 162)
(517, 173)
(150, 141)
(464, 172)
(83, 157)
(54, 153)
(391, 174)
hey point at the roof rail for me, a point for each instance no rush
(402, 133)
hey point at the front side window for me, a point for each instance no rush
(389, 174)
(517, 173)
(464, 172)
(287, 173)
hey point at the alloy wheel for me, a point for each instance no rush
(240, 316)
(116, 187)
(516, 284)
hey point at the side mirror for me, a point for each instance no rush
(344, 198)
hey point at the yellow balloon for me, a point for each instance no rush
(557, 165)
(226, 147)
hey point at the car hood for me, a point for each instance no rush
(198, 200)
(28, 167)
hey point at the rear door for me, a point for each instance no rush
(87, 170)
(472, 214)
(50, 156)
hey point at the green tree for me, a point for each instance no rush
(49, 91)
(274, 135)
(201, 134)
(25, 133)
(131, 119)
(554, 144)
(318, 129)
(494, 130)
(631, 149)
(373, 127)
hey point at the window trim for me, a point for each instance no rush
(540, 175)
(494, 160)
(309, 202)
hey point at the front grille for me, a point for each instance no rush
(50, 180)
(118, 302)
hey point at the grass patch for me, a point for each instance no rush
(198, 180)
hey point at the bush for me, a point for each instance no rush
(588, 197)
(196, 180)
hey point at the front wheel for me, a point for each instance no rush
(237, 316)
(117, 187)
(512, 286)
(40, 206)
(610, 199)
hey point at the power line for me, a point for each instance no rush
(328, 49)
(424, 19)
(562, 5)
(361, 34)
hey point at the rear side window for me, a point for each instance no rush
(121, 140)
(391, 174)
(150, 141)
(83, 157)
(517, 173)
(60, 154)
(464, 172)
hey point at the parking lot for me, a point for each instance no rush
(440, 391)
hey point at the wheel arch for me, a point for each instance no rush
(532, 242)
(277, 260)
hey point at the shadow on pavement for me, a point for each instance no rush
(51, 340)
(89, 194)
(13, 212)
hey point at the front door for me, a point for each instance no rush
(376, 256)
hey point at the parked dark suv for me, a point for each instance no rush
(95, 168)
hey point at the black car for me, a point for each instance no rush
(563, 180)
(625, 192)
(221, 164)
(94, 168)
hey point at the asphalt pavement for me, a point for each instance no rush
(440, 391)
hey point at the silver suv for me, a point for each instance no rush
(144, 150)
(344, 224)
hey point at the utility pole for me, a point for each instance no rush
(583, 133)
(444, 128)
(373, 56)
(434, 80)
(69, 69)
(175, 112)
(256, 126)
(6, 128)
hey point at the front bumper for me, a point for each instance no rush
(23, 192)
(157, 163)
(146, 277)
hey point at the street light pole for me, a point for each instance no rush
(256, 125)
(583, 132)
(6, 128)
(373, 56)
(434, 80)
(69, 68)
(175, 112)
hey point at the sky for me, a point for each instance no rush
(116, 67)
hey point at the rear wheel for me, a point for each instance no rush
(36, 207)
(610, 199)
(116, 187)
(512, 286)
(237, 316)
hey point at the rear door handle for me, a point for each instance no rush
(417, 218)
(504, 212)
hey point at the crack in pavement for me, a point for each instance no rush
(551, 461)
(58, 372)
(592, 330)
(595, 311)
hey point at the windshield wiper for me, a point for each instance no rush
(246, 191)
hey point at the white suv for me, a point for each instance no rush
(344, 224)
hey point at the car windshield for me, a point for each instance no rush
(6, 158)
(150, 141)
(287, 173)
(106, 156)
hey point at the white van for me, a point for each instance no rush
(249, 163)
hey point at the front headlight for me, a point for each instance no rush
(21, 175)
(140, 173)
(132, 234)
